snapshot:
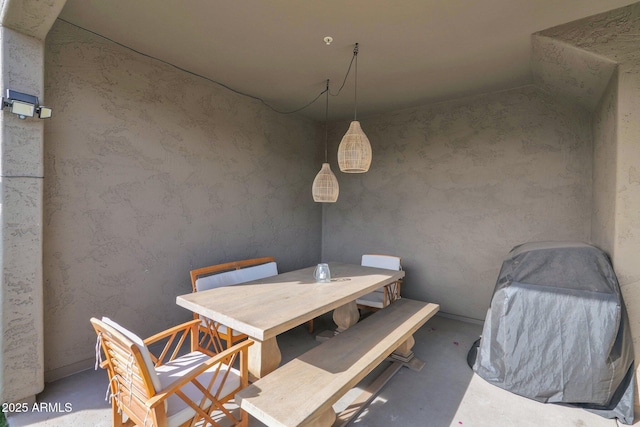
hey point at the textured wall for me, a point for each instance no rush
(454, 186)
(590, 80)
(150, 172)
(615, 36)
(605, 121)
(32, 18)
(571, 72)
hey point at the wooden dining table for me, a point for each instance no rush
(267, 307)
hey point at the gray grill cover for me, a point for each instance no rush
(557, 330)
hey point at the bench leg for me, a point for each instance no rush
(404, 349)
(264, 358)
(405, 355)
(346, 316)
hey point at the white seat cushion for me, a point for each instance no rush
(372, 299)
(257, 272)
(388, 262)
(236, 277)
(217, 280)
(223, 330)
(144, 351)
(177, 410)
(381, 261)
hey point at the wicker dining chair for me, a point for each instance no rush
(170, 390)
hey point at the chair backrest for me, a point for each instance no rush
(131, 371)
(232, 273)
(388, 262)
(142, 348)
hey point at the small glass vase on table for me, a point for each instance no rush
(322, 273)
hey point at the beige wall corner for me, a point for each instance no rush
(32, 18)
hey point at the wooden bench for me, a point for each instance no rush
(302, 392)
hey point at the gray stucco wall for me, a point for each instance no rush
(150, 172)
(604, 169)
(454, 186)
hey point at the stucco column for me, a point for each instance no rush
(24, 24)
(21, 178)
(626, 252)
(613, 38)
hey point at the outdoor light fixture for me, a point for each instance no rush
(325, 187)
(354, 152)
(24, 105)
(44, 112)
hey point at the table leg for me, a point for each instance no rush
(264, 358)
(346, 316)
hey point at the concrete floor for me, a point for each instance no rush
(444, 393)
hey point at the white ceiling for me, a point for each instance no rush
(412, 52)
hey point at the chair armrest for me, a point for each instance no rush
(169, 390)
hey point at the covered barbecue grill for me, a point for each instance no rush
(557, 330)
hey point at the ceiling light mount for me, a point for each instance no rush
(24, 105)
(328, 40)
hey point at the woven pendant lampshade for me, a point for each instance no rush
(354, 152)
(325, 187)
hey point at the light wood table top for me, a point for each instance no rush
(264, 308)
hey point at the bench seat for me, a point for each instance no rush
(302, 392)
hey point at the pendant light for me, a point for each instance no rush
(354, 152)
(325, 186)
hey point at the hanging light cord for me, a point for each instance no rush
(326, 125)
(265, 103)
(355, 86)
(355, 54)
